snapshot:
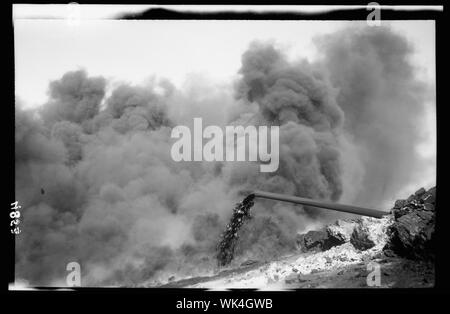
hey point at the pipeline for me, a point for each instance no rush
(321, 204)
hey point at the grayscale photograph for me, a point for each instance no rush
(217, 154)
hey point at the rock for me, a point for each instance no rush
(428, 198)
(370, 232)
(341, 230)
(411, 234)
(363, 233)
(316, 240)
(414, 202)
(399, 203)
(401, 211)
(432, 191)
(312, 240)
(419, 192)
(360, 238)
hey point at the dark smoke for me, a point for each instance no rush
(117, 203)
(75, 98)
(303, 104)
(383, 100)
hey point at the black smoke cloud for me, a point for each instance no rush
(303, 104)
(383, 100)
(118, 204)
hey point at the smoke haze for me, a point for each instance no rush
(97, 184)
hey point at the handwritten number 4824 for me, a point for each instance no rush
(15, 215)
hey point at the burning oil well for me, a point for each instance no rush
(115, 199)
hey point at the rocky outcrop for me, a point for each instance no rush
(408, 231)
(370, 232)
(411, 234)
(361, 238)
(332, 235)
(363, 233)
(341, 230)
(317, 241)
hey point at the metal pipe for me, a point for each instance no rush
(305, 201)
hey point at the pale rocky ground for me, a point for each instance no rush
(342, 266)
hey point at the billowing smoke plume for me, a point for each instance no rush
(98, 186)
(383, 101)
(75, 98)
(303, 104)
